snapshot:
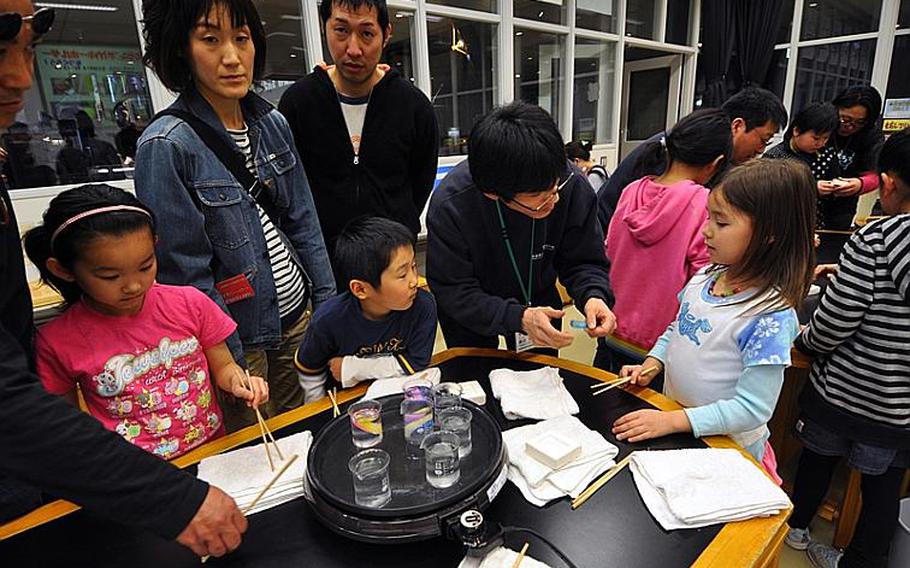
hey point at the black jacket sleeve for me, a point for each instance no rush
(425, 154)
(46, 442)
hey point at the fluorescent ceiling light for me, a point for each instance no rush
(84, 7)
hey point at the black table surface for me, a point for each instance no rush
(612, 529)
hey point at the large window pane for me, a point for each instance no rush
(898, 78)
(640, 16)
(90, 104)
(539, 69)
(596, 15)
(903, 19)
(786, 22)
(592, 112)
(678, 22)
(462, 77)
(485, 5)
(777, 72)
(286, 59)
(828, 18)
(823, 71)
(553, 11)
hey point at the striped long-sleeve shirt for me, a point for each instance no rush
(860, 336)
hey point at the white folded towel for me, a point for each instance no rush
(244, 472)
(394, 385)
(538, 394)
(539, 483)
(693, 488)
(501, 557)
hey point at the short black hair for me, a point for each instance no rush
(863, 95)
(820, 117)
(516, 148)
(756, 106)
(167, 25)
(894, 157)
(382, 10)
(365, 247)
(579, 149)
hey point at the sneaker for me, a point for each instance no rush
(798, 539)
(823, 555)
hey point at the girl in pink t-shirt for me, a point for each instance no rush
(141, 353)
(654, 241)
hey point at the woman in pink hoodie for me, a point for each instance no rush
(654, 241)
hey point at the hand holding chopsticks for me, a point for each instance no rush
(604, 387)
(264, 429)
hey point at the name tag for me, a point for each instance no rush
(235, 288)
(522, 342)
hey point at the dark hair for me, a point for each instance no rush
(820, 117)
(697, 139)
(579, 149)
(382, 10)
(894, 157)
(779, 196)
(70, 241)
(365, 247)
(167, 25)
(865, 96)
(516, 148)
(756, 106)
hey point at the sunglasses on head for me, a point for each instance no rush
(11, 23)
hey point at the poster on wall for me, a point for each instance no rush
(896, 115)
(100, 80)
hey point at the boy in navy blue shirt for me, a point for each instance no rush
(383, 325)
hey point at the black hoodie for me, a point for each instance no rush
(396, 168)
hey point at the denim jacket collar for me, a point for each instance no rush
(254, 107)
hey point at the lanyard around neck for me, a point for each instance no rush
(525, 291)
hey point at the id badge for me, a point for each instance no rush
(522, 342)
(235, 288)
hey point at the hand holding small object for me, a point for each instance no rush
(643, 374)
(254, 390)
(600, 320)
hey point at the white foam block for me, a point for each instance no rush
(472, 391)
(553, 450)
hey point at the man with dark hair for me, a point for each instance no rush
(382, 325)
(367, 137)
(755, 116)
(45, 441)
(503, 225)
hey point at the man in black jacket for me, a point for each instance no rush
(503, 225)
(45, 442)
(367, 137)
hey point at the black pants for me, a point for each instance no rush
(878, 515)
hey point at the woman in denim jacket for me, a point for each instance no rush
(262, 268)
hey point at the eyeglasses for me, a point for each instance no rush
(846, 121)
(11, 23)
(546, 201)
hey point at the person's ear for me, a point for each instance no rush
(387, 36)
(360, 289)
(57, 269)
(738, 126)
(889, 184)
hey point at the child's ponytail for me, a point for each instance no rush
(75, 217)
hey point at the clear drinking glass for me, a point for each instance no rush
(370, 472)
(418, 420)
(418, 387)
(440, 450)
(457, 420)
(366, 423)
(446, 395)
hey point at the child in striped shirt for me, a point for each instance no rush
(857, 405)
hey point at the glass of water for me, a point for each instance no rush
(440, 450)
(446, 395)
(418, 388)
(418, 420)
(366, 423)
(370, 472)
(458, 420)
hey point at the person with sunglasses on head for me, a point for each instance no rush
(503, 225)
(49, 446)
(855, 141)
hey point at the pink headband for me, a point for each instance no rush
(92, 212)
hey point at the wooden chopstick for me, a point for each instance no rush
(602, 384)
(521, 556)
(600, 482)
(268, 486)
(332, 396)
(264, 425)
(265, 440)
(612, 386)
(264, 428)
